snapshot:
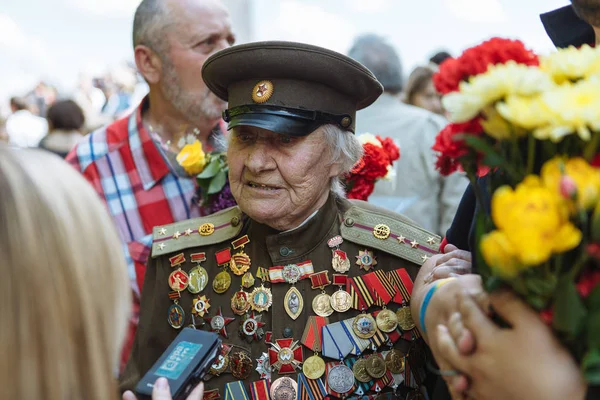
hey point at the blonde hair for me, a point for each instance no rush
(64, 289)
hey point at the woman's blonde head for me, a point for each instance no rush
(64, 292)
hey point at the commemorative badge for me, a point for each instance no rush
(198, 275)
(221, 362)
(340, 379)
(178, 279)
(261, 299)
(176, 315)
(284, 388)
(222, 280)
(366, 260)
(321, 304)
(218, 323)
(364, 326)
(240, 364)
(293, 302)
(263, 367)
(247, 280)
(240, 302)
(339, 260)
(240, 261)
(285, 356)
(341, 301)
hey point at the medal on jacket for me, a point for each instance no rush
(176, 315)
(263, 367)
(341, 301)
(221, 362)
(248, 280)
(365, 259)
(292, 273)
(285, 356)
(359, 369)
(198, 275)
(218, 323)
(395, 361)
(222, 280)
(376, 366)
(240, 303)
(240, 261)
(387, 320)
(314, 366)
(339, 260)
(284, 388)
(200, 306)
(241, 364)
(405, 319)
(178, 279)
(261, 297)
(321, 304)
(364, 326)
(251, 327)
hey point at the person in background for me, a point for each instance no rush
(439, 57)
(416, 189)
(420, 90)
(24, 129)
(65, 122)
(132, 162)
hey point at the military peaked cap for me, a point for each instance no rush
(290, 88)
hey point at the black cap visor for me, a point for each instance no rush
(292, 122)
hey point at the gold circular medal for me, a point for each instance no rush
(313, 367)
(198, 280)
(220, 365)
(394, 360)
(360, 371)
(341, 301)
(221, 282)
(364, 326)
(376, 366)
(405, 319)
(387, 320)
(321, 305)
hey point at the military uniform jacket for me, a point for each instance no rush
(406, 246)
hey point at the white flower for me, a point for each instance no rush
(368, 138)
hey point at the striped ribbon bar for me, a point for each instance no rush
(403, 285)
(260, 390)
(236, 391)
(380, 286)
(311, 389)
(313, 332)
(361, 296)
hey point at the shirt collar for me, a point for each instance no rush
(566, 29)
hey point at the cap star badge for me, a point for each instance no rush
(219, 323)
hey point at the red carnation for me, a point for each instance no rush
(374, 162)
(451, 147)
(361, 189)
(476, 60)
(547, 316)
(390, 148)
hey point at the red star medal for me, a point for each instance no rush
(219, 323)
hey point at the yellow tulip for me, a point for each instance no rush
(192, 158)
(585, 177)
(499, 254)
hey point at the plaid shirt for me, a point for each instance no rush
(141, 189)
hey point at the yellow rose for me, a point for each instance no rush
(499, 254)
(585, 177)
(534, 220)
(192, 158)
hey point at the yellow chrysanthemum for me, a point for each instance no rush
(192, 158)
(585, 177)
(497, 83)
(526, 112)
(572, 63)
(571, 108)
(532, 223)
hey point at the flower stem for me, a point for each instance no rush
(530, 154)
(592, 148)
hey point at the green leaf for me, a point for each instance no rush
(540, 286)
(594, 299)
(595, 225)
(569, 310)
(492, 158)
(591, 367)
(217, 183)
(593, 330)
(210, 170)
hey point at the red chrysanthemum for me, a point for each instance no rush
(476, 60)
(451, 148)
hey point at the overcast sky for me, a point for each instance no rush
(55, 40)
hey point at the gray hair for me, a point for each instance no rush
(375, 53)
(151, 19)
(345, 149)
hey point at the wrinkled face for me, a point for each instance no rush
(276, 179)
(588, 10)
(428, 98)
(201, 28)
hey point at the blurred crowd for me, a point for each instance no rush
(55, 120)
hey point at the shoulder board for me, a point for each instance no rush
(389, 232)
(204, 231)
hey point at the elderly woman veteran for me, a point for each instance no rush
(323, 259)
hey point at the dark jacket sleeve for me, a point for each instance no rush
(458, 233)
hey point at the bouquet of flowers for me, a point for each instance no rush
(376, 163)
(526, 130)
(211, 173)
